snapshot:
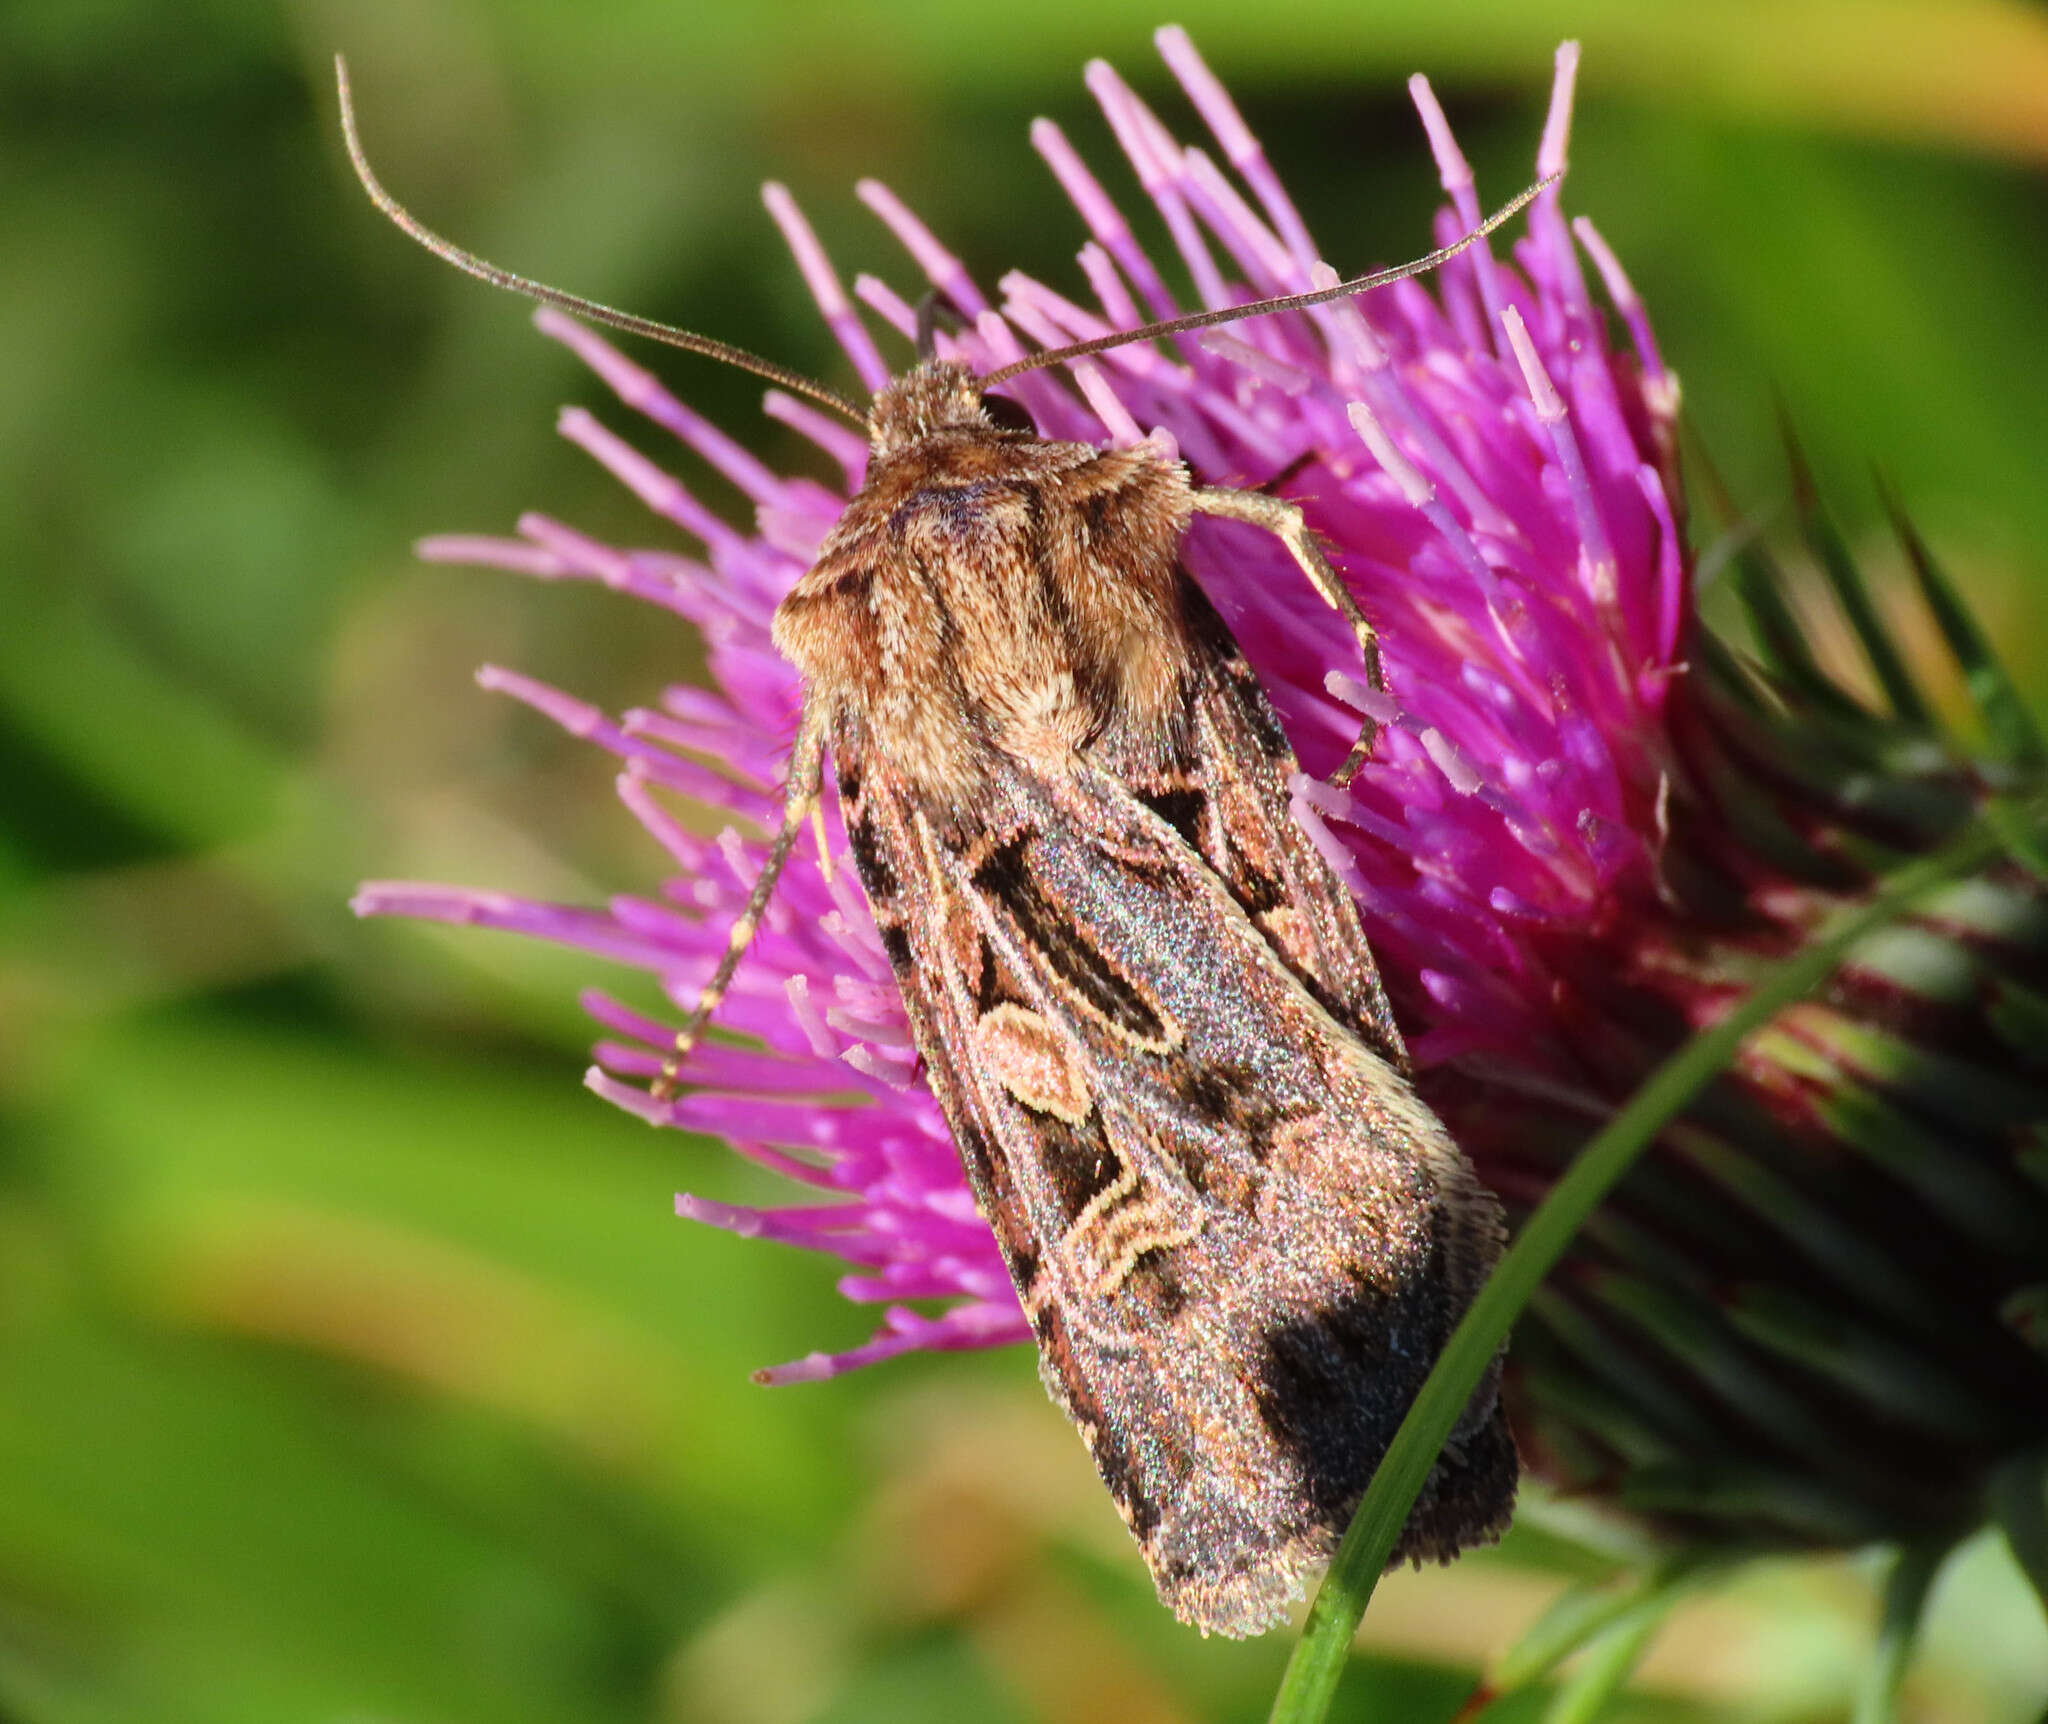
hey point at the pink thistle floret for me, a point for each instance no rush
(1488, 473)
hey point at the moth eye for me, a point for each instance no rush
(1007, 415)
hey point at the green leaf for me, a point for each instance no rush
(1832, 554)
(1608, 1665)
(2019, 1503)
(2006, 715)
(1905, 1604)
(1781, 636)
(1589, 1612)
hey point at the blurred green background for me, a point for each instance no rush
(351, 1364)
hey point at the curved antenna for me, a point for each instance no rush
(470, 264)
(1288, 302)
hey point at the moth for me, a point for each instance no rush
(1142, 997)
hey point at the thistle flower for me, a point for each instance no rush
(1815, 1313)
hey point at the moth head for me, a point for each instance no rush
(937, 397)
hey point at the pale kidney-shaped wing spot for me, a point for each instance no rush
(1125, 1225)
(1034, 1061)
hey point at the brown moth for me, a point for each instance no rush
(1142, 998)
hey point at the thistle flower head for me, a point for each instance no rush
(1582, 827)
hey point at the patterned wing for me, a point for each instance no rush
(1239, 1238)
(1225, 791)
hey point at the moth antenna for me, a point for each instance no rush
(625, 321)
(1286, 302)
(800, 797)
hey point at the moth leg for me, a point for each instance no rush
(1284, 520)
(799, 804)
(824, 843)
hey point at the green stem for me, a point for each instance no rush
(1905, 1603)
(1312, 1674)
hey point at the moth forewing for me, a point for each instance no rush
(1143, 999)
